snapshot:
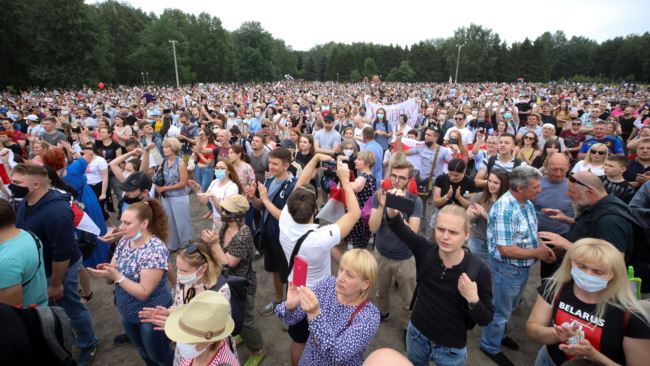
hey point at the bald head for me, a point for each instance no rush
(557, 165)
(591, 180)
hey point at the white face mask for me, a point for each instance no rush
(188, 279)
(189, 351)
(348, 152)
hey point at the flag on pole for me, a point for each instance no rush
(407, 144)
(334, 209)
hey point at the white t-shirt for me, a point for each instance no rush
(315, 248)
(221, 192)
(466, 135)
(94, 170)
(581, 166)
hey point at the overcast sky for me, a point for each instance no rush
(304, 24)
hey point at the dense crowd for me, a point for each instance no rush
(100, 183)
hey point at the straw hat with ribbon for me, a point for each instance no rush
(206, 318)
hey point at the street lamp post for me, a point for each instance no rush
(457, 61)
(144, 83)
(175, 63)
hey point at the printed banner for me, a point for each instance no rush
(411, 108)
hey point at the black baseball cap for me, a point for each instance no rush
(137, 180)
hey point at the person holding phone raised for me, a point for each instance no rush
(299, 235)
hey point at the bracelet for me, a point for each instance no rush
(120, 280)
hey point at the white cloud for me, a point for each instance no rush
(304, 24)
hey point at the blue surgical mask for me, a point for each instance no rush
(231, 114)
(507, 116)
(219, 174)
(380, 116)
(137, 235)
(588, 282)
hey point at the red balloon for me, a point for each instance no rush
(100, 85)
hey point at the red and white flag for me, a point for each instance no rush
(334, 209)
(407, 144)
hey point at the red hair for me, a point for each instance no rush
(54, 158)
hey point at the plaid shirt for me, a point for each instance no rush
(511, 224)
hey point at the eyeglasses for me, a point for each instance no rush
(459, 118)
(529, 138)
(573, 179)
(598, 152)
(398, 178)
(576, 123)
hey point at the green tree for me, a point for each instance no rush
(252, 45)
(402, 73)
(369, 67)
(355, 76)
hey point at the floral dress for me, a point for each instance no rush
(360, 234)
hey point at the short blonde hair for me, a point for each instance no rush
(172, 143)
(364, 264)
(458, 211)
(368, 157)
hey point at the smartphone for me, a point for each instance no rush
(299, 271)
(400, 203)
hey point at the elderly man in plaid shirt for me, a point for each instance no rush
(513, 248)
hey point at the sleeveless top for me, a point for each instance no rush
(172, 176)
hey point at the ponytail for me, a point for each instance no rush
(152, 210)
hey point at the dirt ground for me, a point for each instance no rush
(107, 322)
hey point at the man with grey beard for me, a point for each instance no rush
(598, 215)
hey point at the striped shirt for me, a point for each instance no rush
(511, 224)
(223, 356)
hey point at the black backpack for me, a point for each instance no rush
(49, 332)
(639, 255)
(238, 286)
(493, 159)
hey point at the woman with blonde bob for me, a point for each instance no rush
(588, 310)
(342, 321)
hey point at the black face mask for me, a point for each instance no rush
(428, 143)
(232, 216)
(453, 141)
(18, 191)
(131, 200)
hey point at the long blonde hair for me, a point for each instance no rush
(618, 292)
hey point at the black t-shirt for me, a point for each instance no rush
(627, 124)
(605, 335)
(109, 152)
(523, 107)
(466, 185)
(547, 118)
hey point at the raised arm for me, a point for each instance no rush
(347, 221)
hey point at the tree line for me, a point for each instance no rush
(64, 43)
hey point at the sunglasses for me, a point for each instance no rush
(573, 179)
(529, 138)
(598, 152)
(458, 119)
(576, 123)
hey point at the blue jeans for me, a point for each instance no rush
(204, 176)
(478, 247)
(80, 319)
(420, 350)
(544, 358)
(508, 283)
(153, 345)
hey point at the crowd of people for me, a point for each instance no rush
(100, 183)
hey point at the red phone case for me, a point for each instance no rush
(299, 271)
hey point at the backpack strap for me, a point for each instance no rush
(473, 266)
(427, 265)
(39, 245)
(51, 326)
(490, 164)
(296, 248)
(433, 167)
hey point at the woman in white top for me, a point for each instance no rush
(226, 183)
(594, 160)
(97, 177)
(123, 131)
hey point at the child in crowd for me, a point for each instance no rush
(613, 180)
